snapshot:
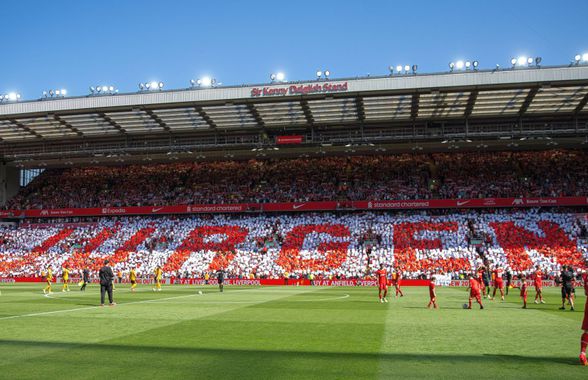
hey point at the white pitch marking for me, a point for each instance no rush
(89, 307)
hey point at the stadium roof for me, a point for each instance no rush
(431, 108)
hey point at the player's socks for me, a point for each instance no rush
(583, 343)
(583, 360)
(385, 299)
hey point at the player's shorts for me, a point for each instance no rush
(474, 294)
(133, 282)
(383, 286)
(566, 291)
(538, 286)
(499, 284)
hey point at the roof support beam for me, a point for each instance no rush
(25, 128)
(414, 105)
(113, 123)
(256, 115)
(205, 116)
(528, 100)
(67, 125)
(307, 112)
(360, 108)
(157, 120)
(470, 104)
(581, 105)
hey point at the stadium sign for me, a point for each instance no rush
(302, 89)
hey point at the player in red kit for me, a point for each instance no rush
(432, 294)
(475, 292)
(498, 282)
(584, 337)
(524, 291)
(538, 282)
(480, 280)
(382, 283)
(396, 279)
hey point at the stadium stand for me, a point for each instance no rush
(407, 176)
(329, 245)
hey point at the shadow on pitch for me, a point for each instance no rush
(253, 355)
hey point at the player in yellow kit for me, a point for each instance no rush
(48, 278)
(65, 273)
(158, 273)
(133, 279)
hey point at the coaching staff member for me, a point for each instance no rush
(106, 277)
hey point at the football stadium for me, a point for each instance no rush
(408, 224)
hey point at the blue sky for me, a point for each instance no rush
(75, 44)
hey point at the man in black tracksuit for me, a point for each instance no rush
(106, 277)
(567, 287)
(220, 276)
(85, 279)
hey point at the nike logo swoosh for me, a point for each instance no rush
(462, 203)
(296, 207)
(156, 209)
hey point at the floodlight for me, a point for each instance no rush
(199, 82)
(391, 69)
(92, 89)
(45, 94)
(577, 58)
(280, 76)
(327, 73)
(153, 85)
(459, 65)
(51, 93)
(160, 84)
(414, 68)
(13, 96)
(522, 60)
(475, 64)
(529, 60)
(399, 69)
(63, 92)
(141, 86)
(319, 73)
(273, 77)
(192, 82)
(104, 88)
(537, 60)
(206, 82)
(406, 68)
(111, 88)
(513, 61)
(451, 66)
(585, 57)
(57, 92)
(468, 64)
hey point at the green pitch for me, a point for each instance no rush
(282, 332)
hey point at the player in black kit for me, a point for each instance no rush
(220, 276)
(567, 287)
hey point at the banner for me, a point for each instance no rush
(283, 140)
(299, 206)
(281, 282)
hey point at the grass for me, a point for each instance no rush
(282, 332)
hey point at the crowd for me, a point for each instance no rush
(326, 245)
(408, 176)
